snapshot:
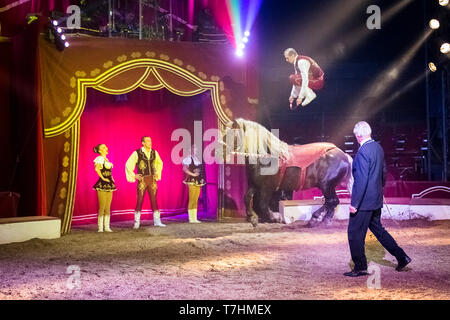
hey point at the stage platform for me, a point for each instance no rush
(395, 208)
(20, 229)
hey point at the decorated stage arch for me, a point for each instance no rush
(113, 91)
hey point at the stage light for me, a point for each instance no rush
(59, 30)
(245, 39)
(445, 48)
(66, 44)
(247, 33)
(432, 67)
(242, 46)
(55, 23)
(443, 2)
(63, 37)
(434, 24)
(239, 52)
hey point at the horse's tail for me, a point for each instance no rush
(349, 176)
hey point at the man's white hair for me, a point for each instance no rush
(290, 52)
(362, 129)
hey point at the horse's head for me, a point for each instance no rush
(230, 141)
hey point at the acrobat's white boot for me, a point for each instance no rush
(193, 216)
(157, 220)
(137, 219)
(100, 223)
(107, 219)
(310, 96)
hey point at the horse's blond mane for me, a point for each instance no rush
(257, 140)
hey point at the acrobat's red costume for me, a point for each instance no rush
(308, 77)
(315, 74)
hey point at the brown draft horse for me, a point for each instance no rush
(275, 170)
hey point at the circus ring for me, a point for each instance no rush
(112, 75)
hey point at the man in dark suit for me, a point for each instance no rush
(369, 173)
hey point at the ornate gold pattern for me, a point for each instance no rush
(65, 162)
(142, 165)
(55, 121)
(61, 209)
(63, 193)
(135, 55)
(107, 64)
(80, 74)
(164, 57)
(67, 111)
(95, 72)
(73, 98)
(64, 176)
(122, 58)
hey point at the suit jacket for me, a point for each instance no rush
(369, 173)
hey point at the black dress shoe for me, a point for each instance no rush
(354, 273)
(402, 263)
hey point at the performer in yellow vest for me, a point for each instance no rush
(149, 169)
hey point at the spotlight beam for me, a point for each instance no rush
(405, 88)
(379, 87)
(331, 19)
(359, 35)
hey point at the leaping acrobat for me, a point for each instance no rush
(308, 76)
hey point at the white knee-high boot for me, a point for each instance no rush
(137, 219)
(310, 96)
(157, 220)
(100, 223)
(193, 216)
(107, 219)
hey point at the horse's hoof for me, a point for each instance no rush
(327, 222)
(313, 223)
(254, 221)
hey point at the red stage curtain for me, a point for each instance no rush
(6, 142)
(120, 122)
(27, 132)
